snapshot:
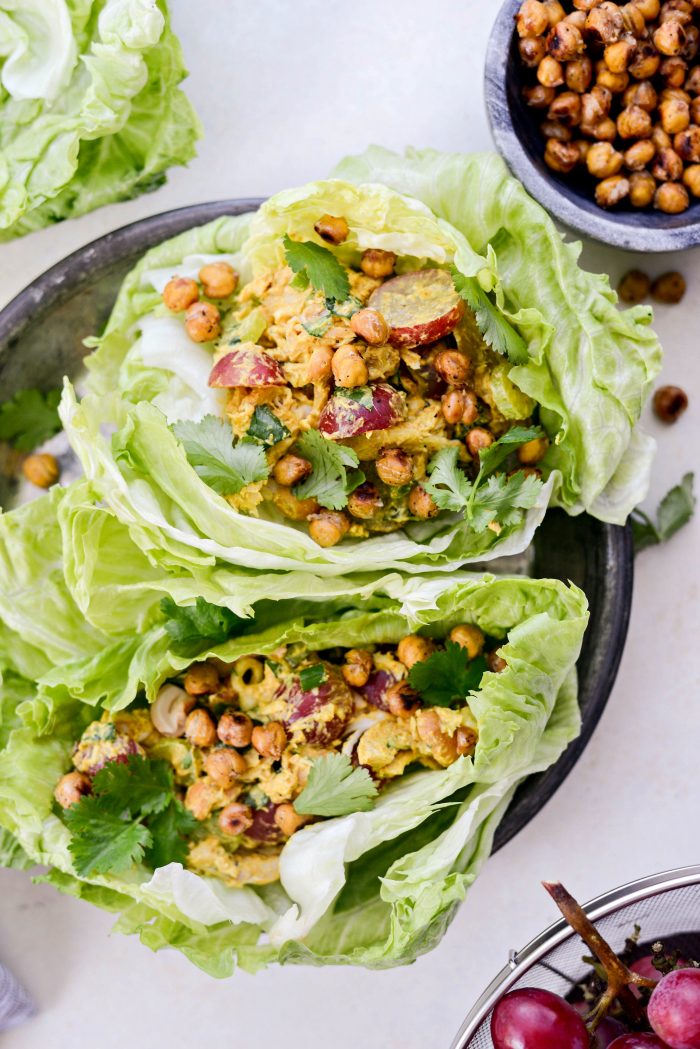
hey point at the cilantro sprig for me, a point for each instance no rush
(491, 498)
(30, 418)
(497, 332)
(132, 816)
(225, 467)
(333, 475)
(447, 676)
(335, 788)
(316, 265)
(675, 510)
(266, 427)
(193, 628)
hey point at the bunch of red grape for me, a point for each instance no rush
(533, 1018)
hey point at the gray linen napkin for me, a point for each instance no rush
(15, 1004)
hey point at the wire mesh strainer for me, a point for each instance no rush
(664, 905)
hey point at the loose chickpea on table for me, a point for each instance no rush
(618, 89)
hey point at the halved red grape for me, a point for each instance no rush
(419, 307)
(374, 407)
(374, 692)
(674, 1009)
(263, 827)
(635, 1040)
(533, 1018)
(325, 708)
(246, 367)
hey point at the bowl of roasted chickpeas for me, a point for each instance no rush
(595, 107)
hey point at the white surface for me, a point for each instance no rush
(285, 89)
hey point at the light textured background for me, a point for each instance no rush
(284, 90)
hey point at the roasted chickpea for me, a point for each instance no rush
(612, 190)
(604, 24)
(595, 106)
(675, 115)
(349, 368)
(564, 42)
(553, 129)
(465, 740)
(660, 139)
(555, 11)
(586, 5)
(332, 228)
(532, 50)
(219, 280)
(695, 110)
(270, 740)
(642, 189)
(633, 20)
(420, 504)
(320, 364)
(634, 287)
(288, 820)
(675, 93)
(583, 146)
(201, 798)
(674, 71)
(669, 287)
(468, 637)
(577, 18)
(533, 451)
(291, 469)
(687, 144)
(692, 43)
(639, 155)
(377, 263)
(649, 8)
(442, 746)
(370, 325)
(669, 38)
(203, 322)
(605, 130)
(357, 667)
(328, 528)
(235, 728)
(641, 94)
(603, 160)
(634, 122)
(691, 179)
(619, 55)
(224, 766)
(531, 19)
(200, 729)
(645, 61)
(578, 74)
(394, 467)
(676, 10)
(179, 293)
(495, 661)
(672, 198)
(414, 649)
(71, 788)
(201, 680)
(365, 501)
(453, 405)
(566, 109)
(550, 73)
(538, 96)
(477, 440)
(293, 508)
(669, 403)
(668, 166)
(560, 156)
(615, 82)
(41, 469)
(235, 818)
(692, 83)
(402, 700)
(452, 366)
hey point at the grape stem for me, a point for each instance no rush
(618, 975)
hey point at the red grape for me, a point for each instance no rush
(532, 1018)
(319, 714)
(674, 1009)
(638, 1041)
(606, 1031)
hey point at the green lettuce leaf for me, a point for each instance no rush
(114, 66)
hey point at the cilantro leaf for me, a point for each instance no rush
(138, 786)
(266, 427)
(675, 510)
(198, 626)
(319, 267)
(492, 457)
(328, 482)
(447, 676)
(497, 332)
(335, 788)
(502, 499)
(103, 842)
(448, 485)
(169, 830)
(225, 467)
(311, 677)
(30, 418)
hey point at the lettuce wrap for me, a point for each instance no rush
(375, 887)
(90, 108)
(560, 356)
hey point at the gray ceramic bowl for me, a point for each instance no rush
(41, 333)
(567, 198)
